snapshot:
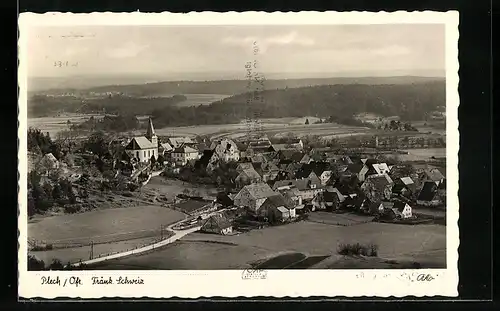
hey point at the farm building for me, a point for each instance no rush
(247, 177)
(277, 208)
(252, 196)
(177, 142)
(217, 224)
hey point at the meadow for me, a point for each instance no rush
(103, 226)
(205, 251)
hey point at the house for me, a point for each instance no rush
(247, 177)
(143, 148)
(226, 149)
(306, 189)
(184, 154)
(380, 208)
(326, 200)
(377, 187)
(325, 177)
(306, 159)
(224, 200)
(404, 186)
(428, 196)
(177, 142)
(48, 162)
(293, 196)
(217, 224)
(252, 196)
(432, 174)
(401, 210)
(244, 166)
(277, 208)
(165, 148)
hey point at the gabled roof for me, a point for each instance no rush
(243, 166)
(167, 147)
(250, 173)
(354, 168)
(400, 206)
(378, 181)
(185, 149)
(277, 201)
(380, 168)
(217, 221)
(407, 180)
(259, 190)
(177, 141)
(434, 174)
(428, 192)
(139, 143)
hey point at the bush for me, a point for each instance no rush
(358, 249)
(56, 265)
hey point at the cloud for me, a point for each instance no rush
(128, 50)
(287, 39)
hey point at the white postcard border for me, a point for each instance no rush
(229, 283)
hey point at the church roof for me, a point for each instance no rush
(140, 142)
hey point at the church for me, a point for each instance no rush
(143, 148)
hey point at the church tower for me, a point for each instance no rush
(151, 135)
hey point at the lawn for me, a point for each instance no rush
(102, 226)
(345, 219)
(395, 242)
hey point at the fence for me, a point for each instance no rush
(139, 249)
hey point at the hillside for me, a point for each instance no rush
(409, 101)
(233, 87)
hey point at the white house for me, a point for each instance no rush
(182, 155)
(143, 148)
(226, 149)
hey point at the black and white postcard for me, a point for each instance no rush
(280, 154)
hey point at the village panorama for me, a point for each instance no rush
(311, 165)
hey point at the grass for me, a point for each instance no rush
(338, 219)
(314, 239)
(281, 261)
(102, 226)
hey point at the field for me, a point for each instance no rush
(82, 253)
(339, 219)
(200, 99)
(172, 187)
(103, 226)
(396, 242)
(53, 125)
(422, 154)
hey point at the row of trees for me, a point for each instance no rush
(395, 125)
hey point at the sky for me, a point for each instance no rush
(170, 51)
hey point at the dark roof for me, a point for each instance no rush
(224, 199)
(330, 196)
(428, 192)
(355, 168)
(276, 201)
(317, 167)
(205, 159)
(217, 221)
(400, 206)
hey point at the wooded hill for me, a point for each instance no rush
(409, 101)
(234, 87)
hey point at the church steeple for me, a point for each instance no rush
(151, 130)
(150, 134)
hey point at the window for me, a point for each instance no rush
(144, 153)
(149, 153)
(137, 154)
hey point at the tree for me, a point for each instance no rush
(307, 121)
(56, 265)
(97, 144)
(34, 264)
(66, 139)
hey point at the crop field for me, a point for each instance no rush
(53, 125)
(103, 226)
(395, 242)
